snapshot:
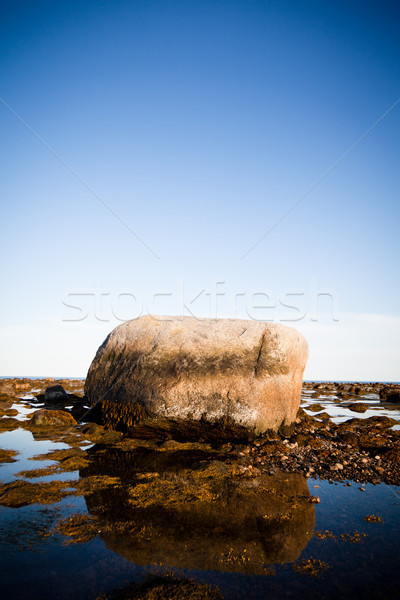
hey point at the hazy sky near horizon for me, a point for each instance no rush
(220, 158)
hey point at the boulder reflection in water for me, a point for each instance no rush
(189, 509)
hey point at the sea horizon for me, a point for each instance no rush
(304, 380)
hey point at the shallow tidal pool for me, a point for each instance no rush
(273, 536)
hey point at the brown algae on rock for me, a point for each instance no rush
(8, 456)
(353, 538)
(166, 587)
(373, 519)
(310, 566)
(52, 418)
(60, 455)
(22, 493)
(73, 463)
(78, 529)
(9, 424)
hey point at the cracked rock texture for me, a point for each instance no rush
(217, 370)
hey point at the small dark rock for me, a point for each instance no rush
(324, 416)
(315, 407)
(390, 394)
(55, 393)
(359, 407)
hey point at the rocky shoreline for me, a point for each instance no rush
(215, 498)
(363, 450)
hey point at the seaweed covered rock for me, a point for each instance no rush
(224, 371)
(52, 418)
(7, 390)
(390, 393)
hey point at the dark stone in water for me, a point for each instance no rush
(390, 394)
(359, 407)
(55, 393)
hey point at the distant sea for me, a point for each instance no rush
(39, 377)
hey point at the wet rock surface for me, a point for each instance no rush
(390, 394)
(359, 450)
(52, 418)
(322, 443)
(7, 456)
(55, 393)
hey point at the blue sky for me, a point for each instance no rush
(199, 124)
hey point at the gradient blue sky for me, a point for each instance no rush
(200, 124)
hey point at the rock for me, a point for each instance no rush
(55, 393)
(21, 493)
(324, 416)
(52, 418)
(245, 372)
(6, 403)
(22, 387)
(92, 429)
(7, 456)
(6, 389)
(359, 407)
(9, 424)
(393, 454)
(390, 394)
(315, 407)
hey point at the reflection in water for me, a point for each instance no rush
(187, 509)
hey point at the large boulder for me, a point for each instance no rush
(211, 370)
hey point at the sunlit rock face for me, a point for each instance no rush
(187, 509)
(211, 370)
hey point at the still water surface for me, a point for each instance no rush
(367, 566)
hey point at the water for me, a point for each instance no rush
(245, 543)
(339, 411)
